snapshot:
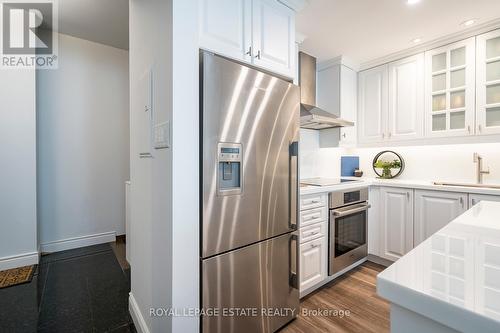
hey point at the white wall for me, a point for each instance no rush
(83, 144)
(164, 188)
(18, 233)
(316, 161)
(429, 163)
(151, 178)
(185, 163)
(441, 162)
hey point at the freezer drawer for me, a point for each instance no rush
(262, 276)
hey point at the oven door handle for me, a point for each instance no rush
(341, 213)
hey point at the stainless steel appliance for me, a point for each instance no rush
(249, 195)
(348, 228)
(311, 115)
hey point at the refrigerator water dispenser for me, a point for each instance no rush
(229, 175)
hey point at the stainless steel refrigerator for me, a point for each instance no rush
(249, 187)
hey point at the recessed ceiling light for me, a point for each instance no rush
(416, 40)
(412, 2)
(468, 22)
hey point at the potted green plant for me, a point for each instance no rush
(386, 167)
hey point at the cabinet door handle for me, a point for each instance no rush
(468, 129)
(383, 135)
(408, 195)
(249, 52)
(479, 128)
(258, 54)
(462, 201)
(389, 134)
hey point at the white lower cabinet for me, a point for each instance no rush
(474, 199)
(313, 231)
(434, 210)
(374, 221)
(396, 222)
(313, 236)
(312, 262)
(401, 218)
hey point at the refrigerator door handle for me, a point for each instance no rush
(293, 261)
(294, 184)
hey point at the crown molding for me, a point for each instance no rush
(300, 38)
(438, 42)
(340, 60)
(296, 5)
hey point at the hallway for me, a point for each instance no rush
(80, 290)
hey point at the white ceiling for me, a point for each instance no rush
(363, 30)
(101, 21)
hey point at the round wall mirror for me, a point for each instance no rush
(388, 164)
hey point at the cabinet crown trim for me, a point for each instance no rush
(340, 60)
(432, 44)
(296, 5)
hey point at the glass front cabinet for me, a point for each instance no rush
(488, 83)
(450, 89)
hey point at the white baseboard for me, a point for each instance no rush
(76, 242)
(20, 260)
(135, 313)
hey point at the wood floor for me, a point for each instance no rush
(354, 292)
(119, 249)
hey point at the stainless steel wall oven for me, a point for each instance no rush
(348, 228)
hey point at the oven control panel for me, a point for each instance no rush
(347, 197)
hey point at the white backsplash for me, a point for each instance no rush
(315, 161)
(429, 163)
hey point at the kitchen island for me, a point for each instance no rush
(451, 281)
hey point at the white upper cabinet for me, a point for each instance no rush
(226, 27)
(450, 89)
(396, 222)
(488, 83)
(372, 104)
(337, 89)
(406, 98)
(348, 105)
(434, 210)
(258, 32)
(391, 101)
(274, 37)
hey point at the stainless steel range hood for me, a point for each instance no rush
(312, 116)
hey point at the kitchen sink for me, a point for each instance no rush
(468, 185)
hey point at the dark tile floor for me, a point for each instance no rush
(81, 290)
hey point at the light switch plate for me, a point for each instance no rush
(162, 135)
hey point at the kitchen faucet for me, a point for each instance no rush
(479, 168)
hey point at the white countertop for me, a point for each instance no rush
(311, 189)
(416, 184)
(453, 277)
